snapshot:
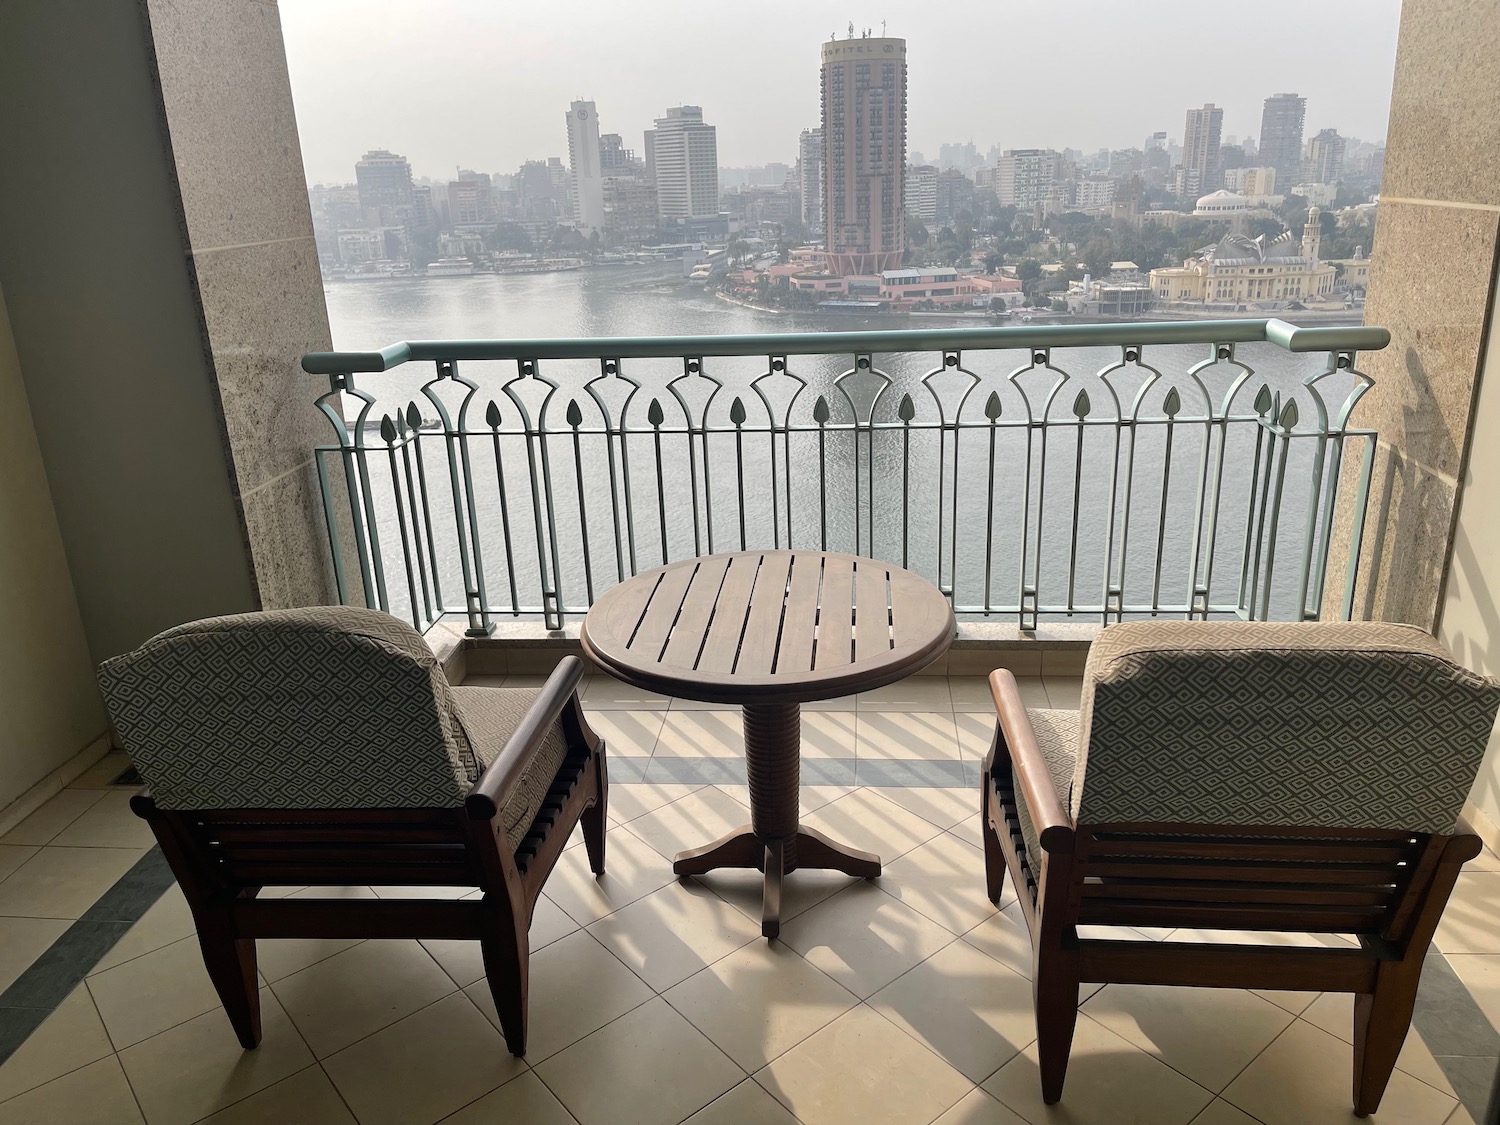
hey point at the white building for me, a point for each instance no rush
(810, 176)
(1094, 193)
(921, 192)
(1024, 176)
(586, 189)
(682, 160)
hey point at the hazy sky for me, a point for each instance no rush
(485, 83)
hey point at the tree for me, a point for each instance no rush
(993, 261)
(916, 231)
(1029, 270)
(1097, 255)
(738, 249)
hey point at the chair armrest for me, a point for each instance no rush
(1033, 779)
(494, 786)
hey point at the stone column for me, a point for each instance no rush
(1432, 273)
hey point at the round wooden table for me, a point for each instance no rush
(770, 630)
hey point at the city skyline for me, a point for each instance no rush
(762, 92)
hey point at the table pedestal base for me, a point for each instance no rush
(774, 842)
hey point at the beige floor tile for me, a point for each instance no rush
(199, 1067)
(613, 1077)
(628, 733)
(672, 933)
(971, 832)
(279, 958)
(1305, 1076)
(866, 820)
(307, 1096)
(166, 921)
(108, 823)
(828, 734)
(71, 1037)
(978, 1108)
(1004, 936)
(42, 826)
(976, 734)
(13, 855)
(969, 1009)
(809, 797)
(1471, 923)
(64, 882)
(576, 987)
(862, 1068)
(153, 992)
(943, 807)
(423, 892)
(524, 1100)
(1064, 693)
(22, 941)
(97, 1094)
(694, 820)
(359, 991)
(628, 801)
(605, 693)
(1333, 1012)
(1461, 1116)
(907, 734)
(1109, 1082)
(702, 734)
(1486, 860)
(463, 960)
(915, 693)
(423, 1067)
(1220, 1112)
(863, 938)
(633, 869)
(1208, 1034)
(837, 703)
(746, 1104)
(760, 1001)
(102, 773)
(801, 890)
(942, 879)
(1480, 973)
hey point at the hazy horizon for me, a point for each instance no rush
(451, 83)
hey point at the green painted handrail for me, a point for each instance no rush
(1356, 338)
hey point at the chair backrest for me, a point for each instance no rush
(1318, 725)
(324, 708)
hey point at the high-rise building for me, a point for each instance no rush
(586, 188)
(1024, 176)
(615, 158)
(810, 177)
(921, 192)
(1281, 136)
(1325, 157)
(864, 153)
(1200, 144)
(682, 160)
(384, 181)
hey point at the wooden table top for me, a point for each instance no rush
(768, 627)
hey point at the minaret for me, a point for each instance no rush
(1312, 234)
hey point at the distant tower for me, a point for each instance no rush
(1312, 234)
(682, 160)
(1200, 145)
(587, 185)
(864, 153)
(1281, 137)
(810, 177)
(1325, 157)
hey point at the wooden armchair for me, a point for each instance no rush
(324, 747)
(1247, 777)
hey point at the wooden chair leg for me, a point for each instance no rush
(506, 950)
(1381, 1021)
(594, 818)
(1055, 991)
(230, 962)
(994, 858)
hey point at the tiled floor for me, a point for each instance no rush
(655, 1001)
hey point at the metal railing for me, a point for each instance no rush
(1092, 472)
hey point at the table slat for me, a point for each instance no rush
(729, 615)
(686, 640)
(763, 626)
(872, 628)
(796, 651)
(835, 613)
(651, 638)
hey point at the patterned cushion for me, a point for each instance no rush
(329, 707)
(490, 716)
(1360, 725)
(1057, 736)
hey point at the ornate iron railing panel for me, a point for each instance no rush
(1093, 472)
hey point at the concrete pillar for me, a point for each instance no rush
(1432, 275)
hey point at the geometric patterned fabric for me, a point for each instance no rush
(489, 717)
(1308, 724)
(320, 708)
(1057, 737)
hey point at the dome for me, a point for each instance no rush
(1222, 200)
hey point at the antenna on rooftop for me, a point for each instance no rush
(851, 29)
(882, 29)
